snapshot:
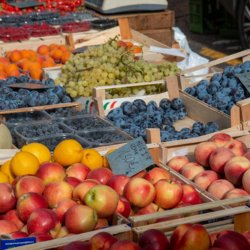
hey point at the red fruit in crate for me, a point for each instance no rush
(125, 244)
(7, 198)
(157, 174)
(11, 215)
(190, 195)
(103, 175)
(205, 178)
(246, 181)
(203, 151)
(40, 237)
(78, 245)
(123, 207)
(72, 181)
(232, 241)
(237, 147)
(102, 241)
(118, 183)
(191, 170)
(78, 170)
(178, 162)
(18, 235)
(219, 187)
(154, 239)
(7, 227)
(221, 139)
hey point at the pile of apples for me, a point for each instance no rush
(184, 237)
(222, 166)
(56, 202)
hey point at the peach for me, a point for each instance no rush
(78, 170)
(219, 158)
(203, 151)
(157, 174)
(205, 178)
(237, 147)
(235, 168)
(191, 169)
(57, 191)
(28, 184)
(246, 181)
(221, 139)
(139, 192)
(234, 193)
(218, 188)
(178, 162)
(7, 227)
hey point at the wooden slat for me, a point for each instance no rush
(153, 135)
(124, 28)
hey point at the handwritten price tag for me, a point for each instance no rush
(131, 158)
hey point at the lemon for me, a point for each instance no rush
(39, 150)
(24, 163)
(92, 158)
(5, 168)
(4, 177)
(68, 152)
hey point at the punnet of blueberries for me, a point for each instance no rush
(223, 90)
(134, 117)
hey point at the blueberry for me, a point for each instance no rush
(135, 131)
(191, 91)
(115, 114)
(166, 120)
(140, 104)
(53, 99)
(198, 128)
(127, 108)
(11, 80)
(48, 82)
(185, 131)
(232, 83)
(237, 70)
(216, 77)
(66, 99)
(165, 104)
(181, 113)
(166, 136)
(177, 103)
(245, 66)
(119, 122)
(202, 94)
(203, 84)
(211, 127)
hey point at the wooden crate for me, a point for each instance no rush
(197, 110)
(236, 218)
(122, 232)
(186, 79)
(157, 25)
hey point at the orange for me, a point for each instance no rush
(12, 70)
(129, 44)
(15, 56)
(26, 64)
(63, 47)
(53, 46)
(68, 152)
(24, 53)
(24, 163)
(5, 168)
(48, 62)
(65, 57)
(39, 150)
(3, 178)
(137, 49)
(43, 50)
(2, 66)
(92, 158)
(31, 54)
(3, 75)
(4, 60)
(36, 73)
(56, 54)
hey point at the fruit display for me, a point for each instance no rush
(22, 63)
(134, 117)
(184, 237)
(14, 99)
(63, 113)
(221, 166)
(108, 64)
(75, 27)
(12, 34)
(223, 90)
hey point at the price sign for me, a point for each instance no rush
(245, 80)
(131, 158)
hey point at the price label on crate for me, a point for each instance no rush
(131, 158)
(245, 80)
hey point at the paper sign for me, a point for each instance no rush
(245, 80)
(131, 158)
(12, 243)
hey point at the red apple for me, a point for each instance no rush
(103, 199)
(78, 171)
(193, 237)
(125, 245)
(205, 178)
(232, 241)
(247, 235)
(40, 237)
(190, 195)
(178, 162)
(237, 147)
(149, 209)
(62, 207)
(73, 182)
(28, 184)
(123, 207)
(57, 191)
(219, 187)
(102, 241)
(157, 174)
(235, 168)
(246, 181)
(51, 172)
(103, 175)
(191, 169)
(221, 139)
(78, 245)
(7, 197)
(43, 220)
(28, 203)
(139, 192)
(11, 215)
(101, 223)
(118, 183)
(219, 158)
(168, 194)
(80, 219)
(18, 235)
(82, 189)
(203, 151)
(7, 227)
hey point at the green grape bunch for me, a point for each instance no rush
(111, 64)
